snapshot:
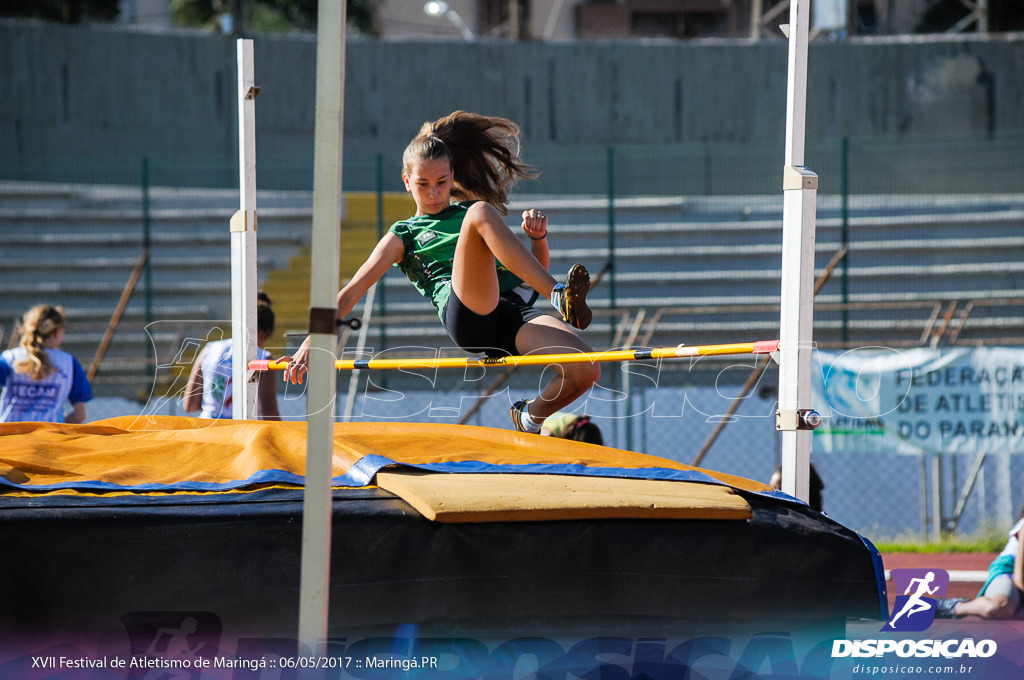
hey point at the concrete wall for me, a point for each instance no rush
(92, 95)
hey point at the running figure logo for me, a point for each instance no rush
(914, 610)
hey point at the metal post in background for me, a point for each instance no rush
(611, 238)
(923, 499)
(148, 271)
(382, 289)
(845, 198)
(612, 332)
(938, 511)
(364, 329)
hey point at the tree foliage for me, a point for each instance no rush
(63, 11)
(1003, 15)
(259, 16)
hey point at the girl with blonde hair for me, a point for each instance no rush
(38, 377)
(459, 253)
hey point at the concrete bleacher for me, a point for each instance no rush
(77, 246)
(693, 270)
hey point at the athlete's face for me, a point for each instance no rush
(430, 183)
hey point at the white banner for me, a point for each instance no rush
(830, 15)
(958, 400)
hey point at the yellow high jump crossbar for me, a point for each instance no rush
(678, 352)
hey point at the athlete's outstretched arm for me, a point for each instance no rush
(388, 251)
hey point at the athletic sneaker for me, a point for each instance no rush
(945, 607)
(570, 298)
(517, 416)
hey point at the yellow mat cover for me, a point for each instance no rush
(460, 471)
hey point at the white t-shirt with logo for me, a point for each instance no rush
(216, 368)
(25, 399)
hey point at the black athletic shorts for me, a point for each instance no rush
(492, 334)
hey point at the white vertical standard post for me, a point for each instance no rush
(314, 585)
(794, 418)
(243, 246)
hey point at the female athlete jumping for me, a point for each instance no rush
(465, 259)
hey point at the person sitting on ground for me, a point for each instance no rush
(209, 387)
(38, 377)
(573, 426)
(1002, 595)
(464, 258)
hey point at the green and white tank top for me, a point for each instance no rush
(429, 244)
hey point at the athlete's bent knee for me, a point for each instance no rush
(584, 376)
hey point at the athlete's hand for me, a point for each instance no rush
(535, 224)
(298, 364)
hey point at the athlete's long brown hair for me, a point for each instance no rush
(483, 152)
(38, 324)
